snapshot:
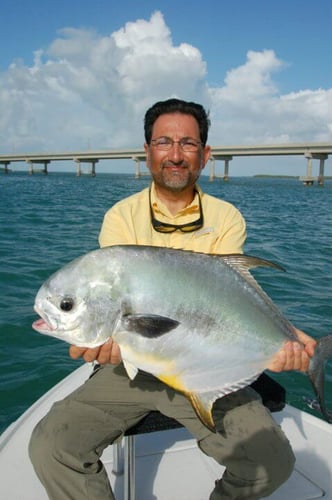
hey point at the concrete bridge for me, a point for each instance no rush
(310, 151)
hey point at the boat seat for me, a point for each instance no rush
(124, 458)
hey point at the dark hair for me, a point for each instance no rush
(177, 106)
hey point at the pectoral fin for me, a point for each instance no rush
(148, 325)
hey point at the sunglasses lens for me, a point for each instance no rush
(191, 227)
(163, 229)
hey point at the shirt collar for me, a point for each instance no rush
(161, 208)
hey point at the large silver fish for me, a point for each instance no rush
(200, 323)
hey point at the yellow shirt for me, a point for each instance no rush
(128, 222)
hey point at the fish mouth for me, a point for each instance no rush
(41, 325)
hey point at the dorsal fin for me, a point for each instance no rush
(243, 263)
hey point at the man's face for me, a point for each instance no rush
(176, 169)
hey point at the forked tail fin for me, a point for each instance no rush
(323, 352)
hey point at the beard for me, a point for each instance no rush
(176, 177)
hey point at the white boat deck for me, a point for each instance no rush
(169, 466)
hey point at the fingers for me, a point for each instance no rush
(109, 353)
(76, 352)
(292, 356)
(308, 342)
(88, 354)
(106, 353)
(296, 357)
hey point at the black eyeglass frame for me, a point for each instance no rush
(189, 227)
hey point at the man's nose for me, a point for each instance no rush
(175, 153)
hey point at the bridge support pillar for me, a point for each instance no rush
(227, 159)
(137, 167)
(226, 169)
(308, 180)
(322, 159)
(78, 167)
(30, 163)
(93, 168)
(5, 166)
(78, 162)
(212, 175)
(45, 171)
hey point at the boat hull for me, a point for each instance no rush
(170, 454)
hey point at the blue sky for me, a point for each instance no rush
(80, 74)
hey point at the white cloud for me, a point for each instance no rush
(249, 109)
(88, 90)
(253, 79)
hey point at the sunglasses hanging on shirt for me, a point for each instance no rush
(189, 227)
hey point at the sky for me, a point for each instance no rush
(78, 75)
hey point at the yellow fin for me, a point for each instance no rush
(202, 404)
(203, 409)
(173, 381)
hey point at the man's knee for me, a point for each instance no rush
(253, 480)
(255, 451)
(56, 438)
(63, 437)
(40, 447)
(279, 468)
(64, 459)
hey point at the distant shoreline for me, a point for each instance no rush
(144, 174)
(275, 176)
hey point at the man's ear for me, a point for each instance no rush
(206, 156)
(147, 152)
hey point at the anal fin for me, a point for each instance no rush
(202, 404)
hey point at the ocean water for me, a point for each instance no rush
(46, 221)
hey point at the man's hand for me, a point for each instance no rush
(294, 355)
(106, 353)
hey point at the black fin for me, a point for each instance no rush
(149, 325)
(323, 352)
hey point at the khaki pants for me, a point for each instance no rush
(67, 444)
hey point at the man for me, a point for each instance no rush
(67, 444)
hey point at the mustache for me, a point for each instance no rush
(181, 163)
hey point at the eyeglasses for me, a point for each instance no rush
(189, 227)
(187, 144)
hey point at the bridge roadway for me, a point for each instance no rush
(226, 153)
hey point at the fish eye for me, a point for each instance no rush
(67, 304)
